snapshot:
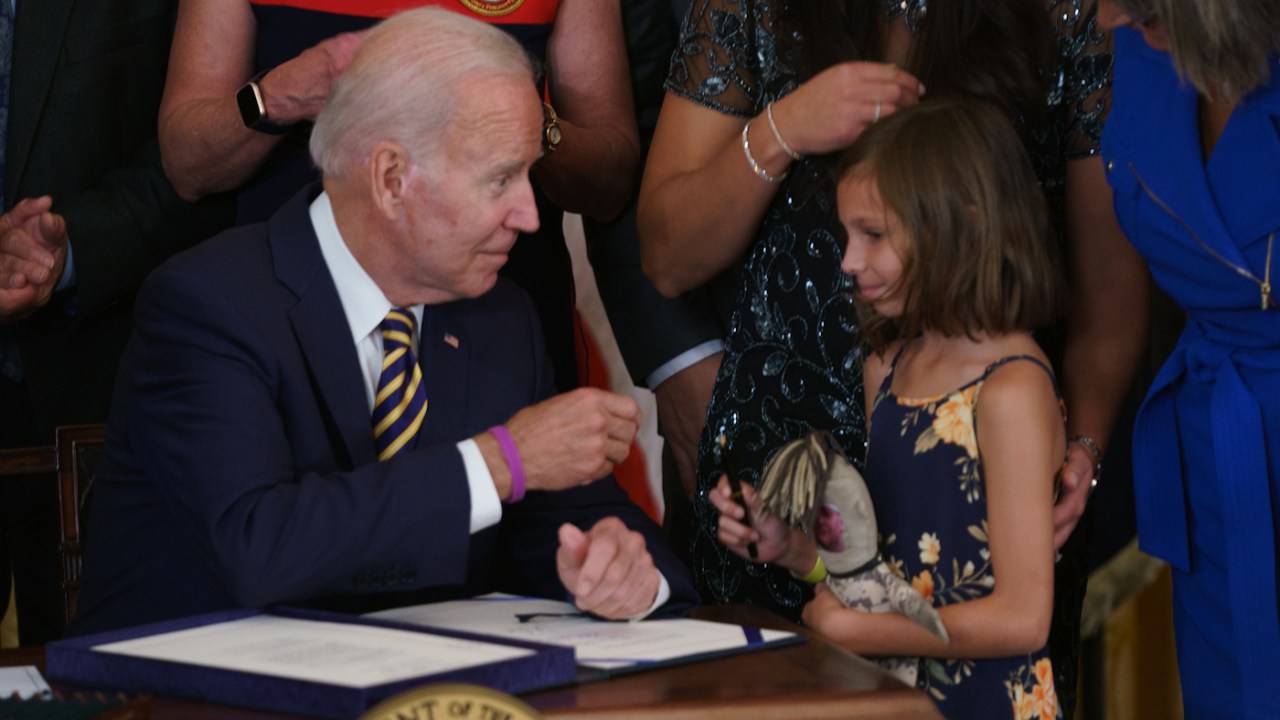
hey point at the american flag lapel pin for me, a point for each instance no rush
(451, 340)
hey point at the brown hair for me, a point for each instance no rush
(977, 255)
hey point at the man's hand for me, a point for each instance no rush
(1077, 480)
(573, 438)
(299, 89)
(682, 411)
(33, 253)
(608, 569)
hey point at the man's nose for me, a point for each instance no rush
(524, 215)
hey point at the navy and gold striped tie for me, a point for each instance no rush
(401, 401)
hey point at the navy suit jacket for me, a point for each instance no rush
(240, 467)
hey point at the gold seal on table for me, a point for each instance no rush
(492, 8)
(454, 701)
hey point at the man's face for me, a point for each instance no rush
(465, 206)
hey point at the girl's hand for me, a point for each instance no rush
(825, 613)
(833, 108)
(770, 534)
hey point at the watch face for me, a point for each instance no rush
(553, 136)
(249, 100)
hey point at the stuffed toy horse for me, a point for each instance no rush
(809, 484)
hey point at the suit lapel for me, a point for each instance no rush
(444, 354)
(320, 328)
(39, 29)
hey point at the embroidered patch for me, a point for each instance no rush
(492, 8)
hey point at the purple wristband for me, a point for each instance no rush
(512, 454)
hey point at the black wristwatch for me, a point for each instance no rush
(551, 134)
(253, 108)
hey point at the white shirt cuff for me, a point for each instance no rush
(682, 361)
(486, 508)
(664, 594)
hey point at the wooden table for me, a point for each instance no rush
(814, 680)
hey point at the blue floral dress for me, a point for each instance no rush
(925, 478)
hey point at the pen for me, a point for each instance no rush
(735, 490)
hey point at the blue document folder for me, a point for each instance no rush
(299, 661)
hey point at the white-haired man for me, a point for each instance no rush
(343, 407)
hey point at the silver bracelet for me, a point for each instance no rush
(768, 112)
(755, 166)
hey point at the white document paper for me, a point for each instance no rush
(25, 681)
(597, 643)
(341, 654)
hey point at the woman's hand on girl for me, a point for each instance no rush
(1077, 480)
(832, 109)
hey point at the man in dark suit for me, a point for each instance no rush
(241, 466)
(88, 213)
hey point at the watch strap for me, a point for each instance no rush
(253, 111)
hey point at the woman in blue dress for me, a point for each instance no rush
(1192, 152)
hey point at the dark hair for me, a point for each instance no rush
(995, 50)
(976, 257)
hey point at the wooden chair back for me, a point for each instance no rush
(70, 462)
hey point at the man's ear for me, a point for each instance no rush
(389, 167)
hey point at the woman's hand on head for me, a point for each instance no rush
(831, 110)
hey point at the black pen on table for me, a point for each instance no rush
(735, 490)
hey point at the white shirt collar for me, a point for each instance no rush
(362, 300)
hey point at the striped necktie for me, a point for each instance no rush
(401, 401)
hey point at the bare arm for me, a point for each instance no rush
(700, 200)
(1107, 328)
(592, 171)
(204, 144)
(1021, 445)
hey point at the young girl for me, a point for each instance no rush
(946, 240)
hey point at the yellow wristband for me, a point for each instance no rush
(817, 574)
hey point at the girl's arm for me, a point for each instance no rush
(1021, 442)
